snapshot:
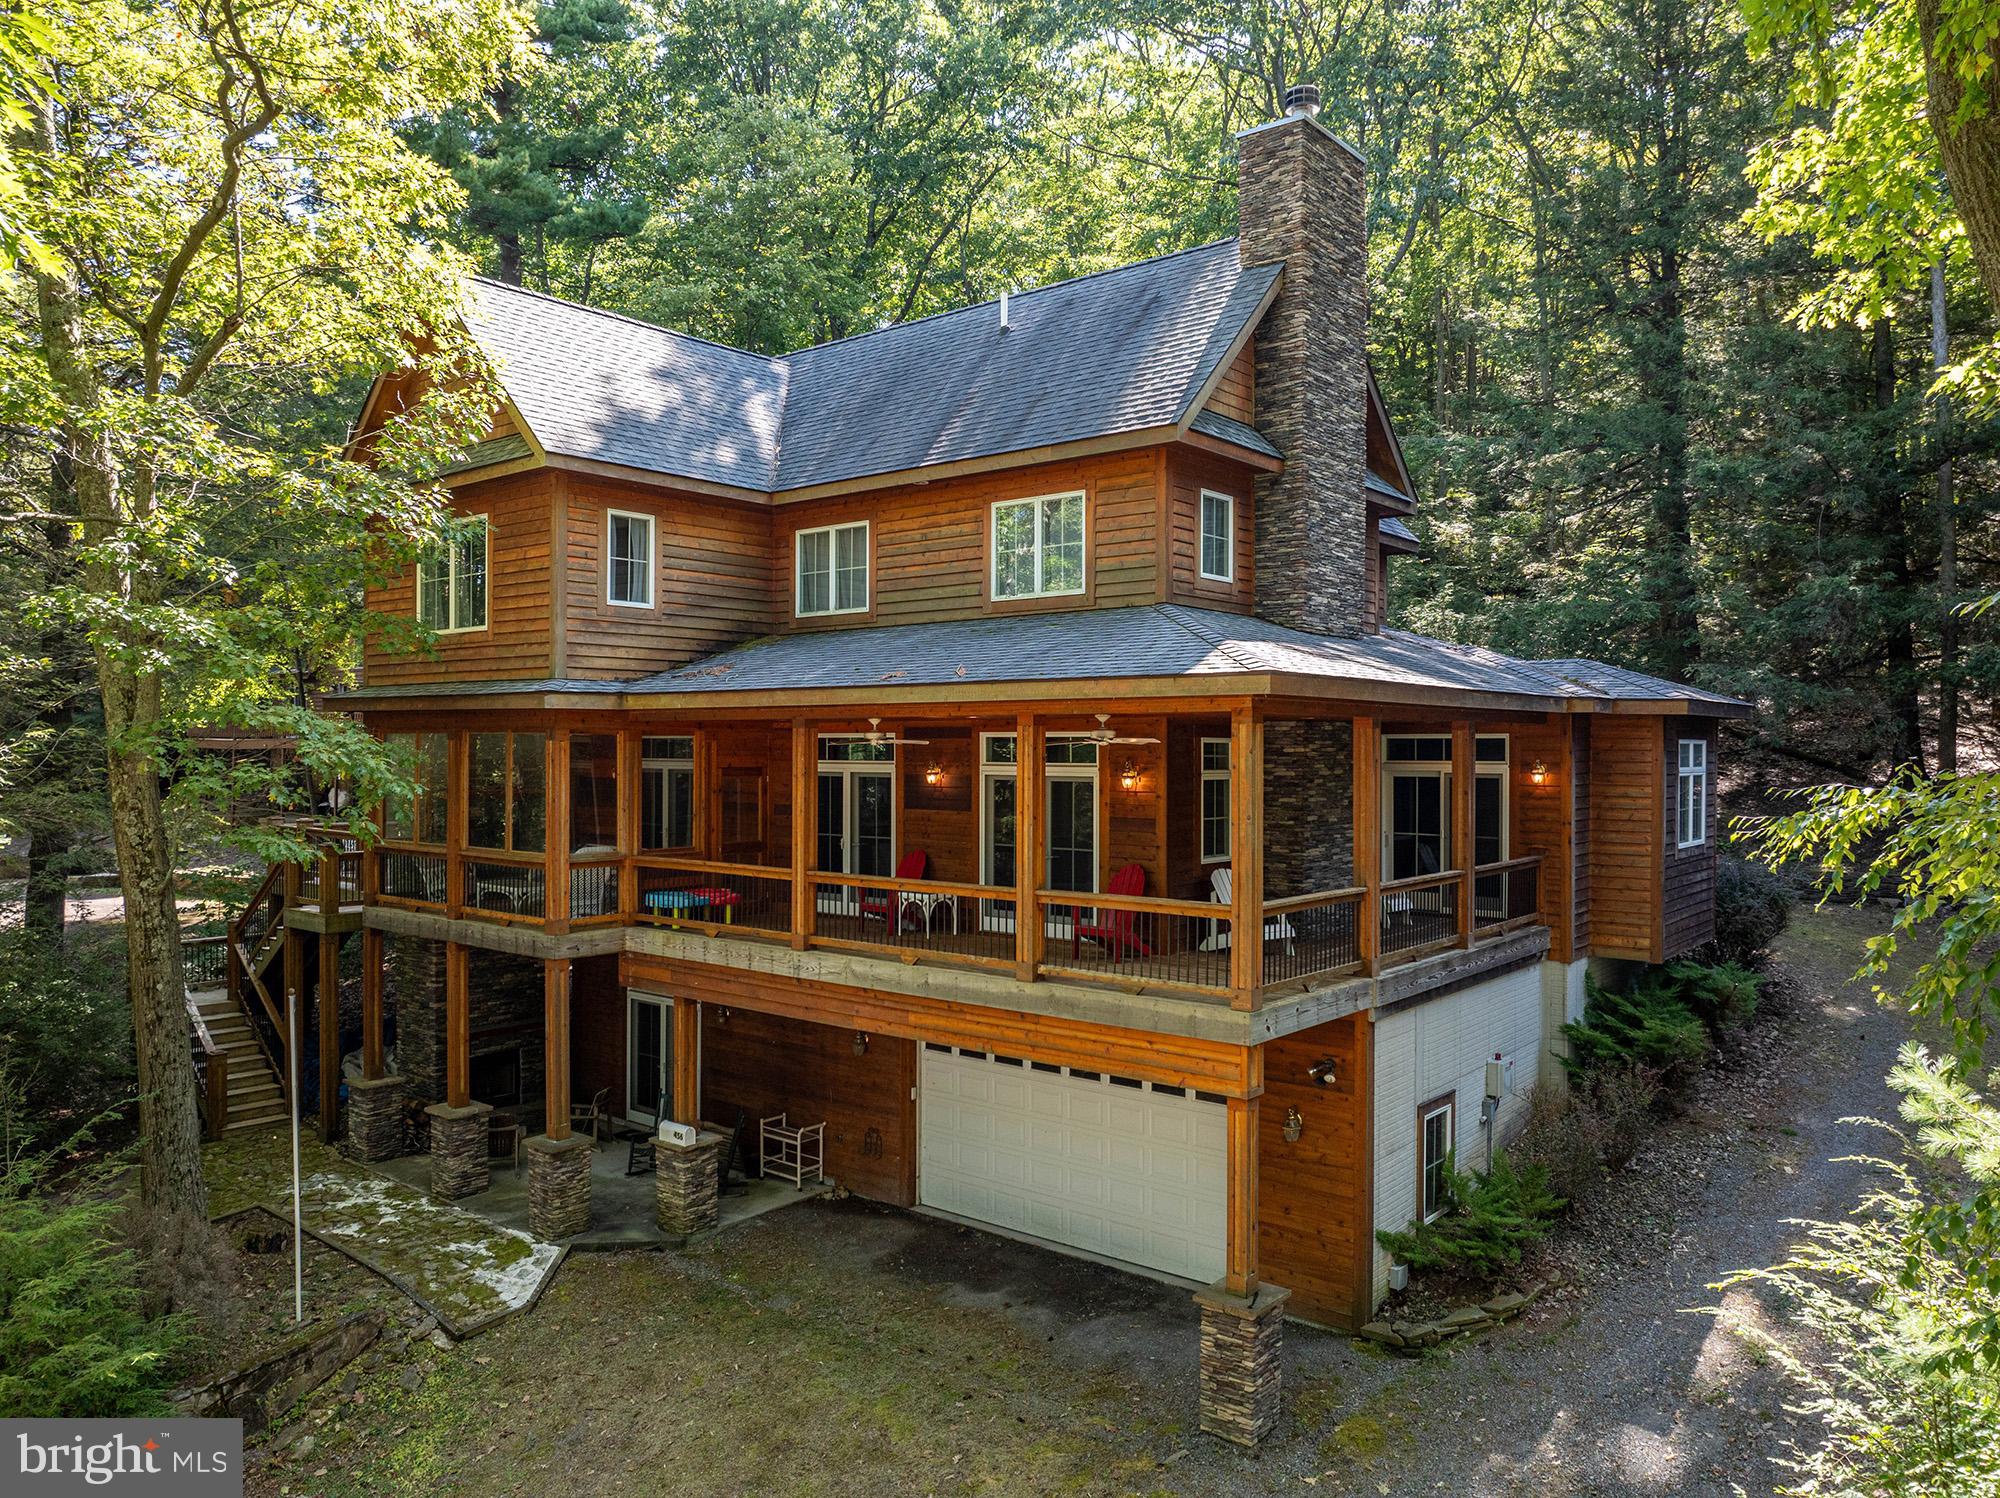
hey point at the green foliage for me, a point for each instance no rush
(74, 1340)
(65, 1030)
(1723, 995)
(1573, 1134)
(1752, 906)
(1651, 1027)
(1492, 1217)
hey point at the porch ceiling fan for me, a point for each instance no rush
(875, 733)
(1104, 734)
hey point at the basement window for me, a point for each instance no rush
(1434, 1142)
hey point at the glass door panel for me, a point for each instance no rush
(1418, 823)
(1072, 834)
(830, 843)
(998, 864)
(874, 843)
(648, 1058)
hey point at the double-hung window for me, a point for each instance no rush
(1218, 536)
(451, 581)
(1691, 800)
(1434, 1141)
(1038, 546)
(833, 570)
(1215, 800)
(628, 552)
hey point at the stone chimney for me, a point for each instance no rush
(1301, 202)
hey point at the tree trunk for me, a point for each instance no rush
(1947, 747)
(1971, 151)
(1899, 644)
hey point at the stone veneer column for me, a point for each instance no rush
(685, 1176)
(374, 1119)
(1242, 1338)
(558, 1186)
(458, 1149)
(1301, 201)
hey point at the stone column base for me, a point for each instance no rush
(374, 1119)
(558, 1186)
(685, 1176)
(1241, 1339)
(458, 1149)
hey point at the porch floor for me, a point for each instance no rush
(623, 1209)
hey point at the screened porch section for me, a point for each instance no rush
(1072, 847)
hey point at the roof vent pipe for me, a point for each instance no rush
(1003, 312)
(1302, 101)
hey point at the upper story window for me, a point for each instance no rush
(1691, 799)
(1215, 800)
(1038, 546)
(1218, 536)
(628, 552)
(833, 570)
(451, 581)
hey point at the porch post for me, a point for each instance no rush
(1030, 782)
(555, 907)
(458, 1124)
(1242, 1319)
(1462, 851)
(375, 1103)
(687, 1062)
(558, 1161)
(805, 817)
(372, 958)
(1246, 848)
(455, 790)
(1365, 752)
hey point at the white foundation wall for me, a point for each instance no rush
(1439, 1046)
(1562, 1003)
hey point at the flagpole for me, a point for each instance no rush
(298, 1218)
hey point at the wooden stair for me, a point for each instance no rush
(255, 1099)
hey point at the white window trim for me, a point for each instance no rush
(1449, 1108)
(451, 579)
(652, 557)
(1201, 537)
(799, 610)
(1206, 775)
(993, 547)
(1693, 776)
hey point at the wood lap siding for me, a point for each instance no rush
(1627, 831)
(1541, 814)
(1236, 393)
(1688, 880)
(1313, 1199)
(711, 581)
(1579, 800)
(517, 641)
(1188, 473)
(597, 1032)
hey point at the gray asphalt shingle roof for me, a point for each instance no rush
(1123, 350)
(1616, 681)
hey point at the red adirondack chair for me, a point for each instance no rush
(875, 903)
(1117, 929)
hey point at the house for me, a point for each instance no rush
(740, 664)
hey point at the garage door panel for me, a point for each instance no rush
(1123, 1172)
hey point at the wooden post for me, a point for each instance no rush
(805, 829)
(1246, 844)
(1463, 854)
(555, 1047)
(687, 1062)
(1030, 793)
(555, 909)
(457, 1025)
(372, 957)
(630, 804)
(1365, 754)
(455, 791)
(1240, 1271)
(329, 1022)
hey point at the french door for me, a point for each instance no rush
(857, 821)
(649, 1057)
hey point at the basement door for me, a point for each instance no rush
(1110, 1166)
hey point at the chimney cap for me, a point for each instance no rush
(1302, 101)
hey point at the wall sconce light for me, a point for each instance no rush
(1295, 1125)
(934, 775)
(860, 1043)
(1322, 1071)
(722, 1015)
(1538, 772)
(1128, 778)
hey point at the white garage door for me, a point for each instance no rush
(1110, 1165)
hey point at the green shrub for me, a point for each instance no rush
(1490, 1220)
(1723, 994)
(1650, 1028)
(1572, 1135)
(1752, 906)
(65, 1029)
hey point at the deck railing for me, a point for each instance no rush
(1312, 937)
(594, 890)
(204, 962)
(720, 899)
(971, 924)
(505, 888)
(1420, 914)
(347, 879)
(411, 876)
(1136, 941)
(1506, 895)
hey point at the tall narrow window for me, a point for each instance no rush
(833, 569)
(1215, 800)
(1218, 536)
(1434, 1131)
(666, 805)
(628, 551)
(1691, 803)
(451, 581)
(1038, 549)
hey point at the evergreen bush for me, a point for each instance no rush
(1752, 905)
(1491, 1218)
(1651, 1028)
(1723, 994)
